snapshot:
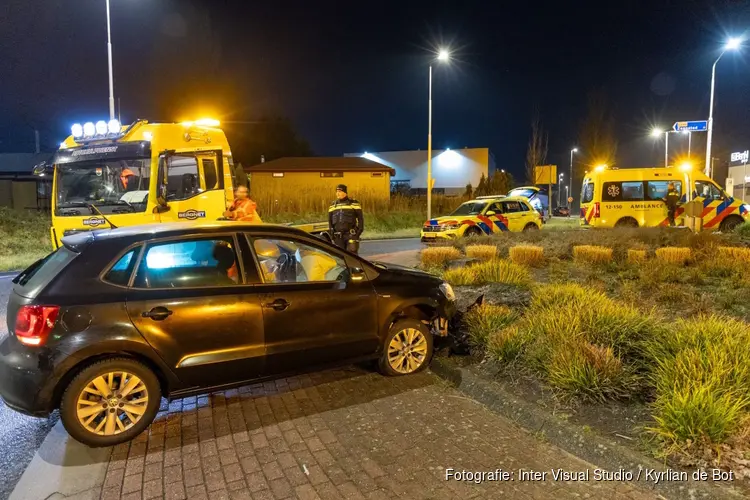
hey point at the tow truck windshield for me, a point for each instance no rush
(112, 186)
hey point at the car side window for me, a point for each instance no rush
(189, 263)
(289, 261)
(511, 207)
(495, 207)
(524, 207)
(119, 274)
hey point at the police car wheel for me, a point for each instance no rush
(472, 231)
(531, 227)
(407, 348)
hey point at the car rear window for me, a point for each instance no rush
(38, 275)
(587, 192)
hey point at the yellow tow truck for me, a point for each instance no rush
(108, 175)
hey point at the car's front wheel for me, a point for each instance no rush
(407, 349)
(110, 402)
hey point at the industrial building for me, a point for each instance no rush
(452, 169)
(318, 176)
(19, 188)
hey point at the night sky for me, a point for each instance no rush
(352, 76)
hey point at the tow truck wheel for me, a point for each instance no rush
(407, 348)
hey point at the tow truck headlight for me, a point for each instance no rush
(447, 291)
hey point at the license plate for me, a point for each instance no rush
(429, 235)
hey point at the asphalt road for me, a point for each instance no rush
(21, 436)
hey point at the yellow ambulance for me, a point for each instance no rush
(634, 197)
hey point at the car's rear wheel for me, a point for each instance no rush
(531, 227)
(110, 402)
(730, 224)
(407, 348)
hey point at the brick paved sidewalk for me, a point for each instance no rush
(337, 434)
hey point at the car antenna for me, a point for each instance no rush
(93, 208)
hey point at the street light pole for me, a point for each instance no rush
(429, 153)
(732, 44)
(111, 78)
(559, 190)
(574, 150)
(443, 55)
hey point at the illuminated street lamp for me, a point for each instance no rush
(574, 150)
(442, 56)
(732, 44)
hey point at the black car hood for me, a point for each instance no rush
(404, 270)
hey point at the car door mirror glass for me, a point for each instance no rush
(490, 212)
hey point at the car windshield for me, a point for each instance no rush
(470, 208)
(113, 186)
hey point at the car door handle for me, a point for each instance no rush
(157, 313)
(277, 305)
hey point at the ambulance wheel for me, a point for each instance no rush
(730, 224)
(627, 222)
(472, 231)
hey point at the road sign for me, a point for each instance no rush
(545, 174)
(694, 126)
(570, 199)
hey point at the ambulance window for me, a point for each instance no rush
(209, 173)
(632, 191)
(708, 190)
(587, 192)
(657, 190)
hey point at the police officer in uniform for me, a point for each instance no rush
(345, 221)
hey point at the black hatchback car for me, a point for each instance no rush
(114, 320)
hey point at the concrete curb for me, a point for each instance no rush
(63, 468)
(596, 449)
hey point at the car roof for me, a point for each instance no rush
(168, 229)
(498, 198)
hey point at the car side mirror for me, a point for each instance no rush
(358, 274)
(490, 212)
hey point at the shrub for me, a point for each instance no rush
(487, 319)
(506, 345)
(736, 254)
(700, 369)
(674, 255)
(502, 271)
(527, 255)
(743, 230)
(592, 254)
(460, 276)
(636, 256)
(438, 256)
(591, 372)
(484, 252)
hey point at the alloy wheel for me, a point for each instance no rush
(407, 351)
(112, 403)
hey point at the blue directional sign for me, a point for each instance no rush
(695, 126)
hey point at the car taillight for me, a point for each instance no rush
(34, 323)
(596, 209)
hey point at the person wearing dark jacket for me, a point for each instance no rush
(345, 220)
(672, 200)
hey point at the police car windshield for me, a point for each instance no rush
(113, 186)
(470, 208)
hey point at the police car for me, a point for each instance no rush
(484, 215)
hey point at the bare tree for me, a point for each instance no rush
(597, 137)
(537, 153)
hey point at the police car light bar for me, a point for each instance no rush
(100, 130)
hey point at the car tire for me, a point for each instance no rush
(472, 231)
(627, 222)
(410, 340)
(530, 227)
(101, 428)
